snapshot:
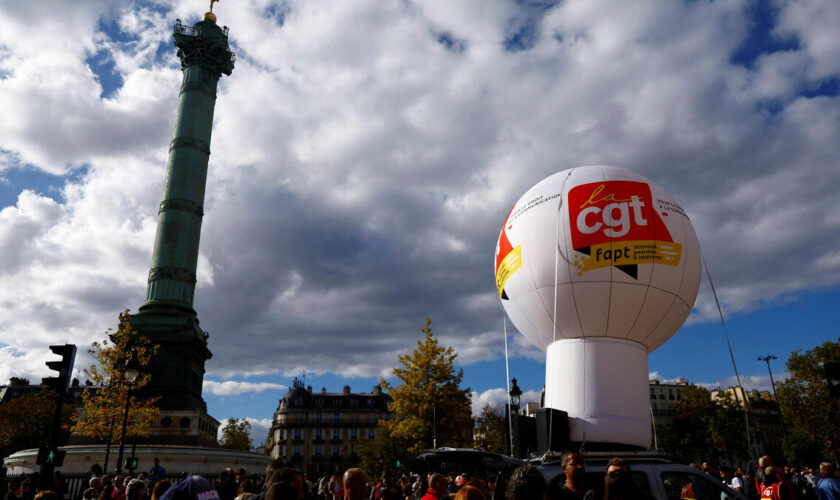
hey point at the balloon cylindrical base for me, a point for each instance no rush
(602, 383)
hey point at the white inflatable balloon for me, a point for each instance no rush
(600, 263)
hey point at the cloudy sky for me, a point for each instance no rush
(365, 155)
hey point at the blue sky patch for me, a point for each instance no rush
(451, 43)
(102, 65)
(760, 39)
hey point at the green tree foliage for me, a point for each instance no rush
(702, 428)
(490, 431)
(236, 434)
(810, 414)
(104, 402)
(429, 398)
(26, 421)
(379, 454)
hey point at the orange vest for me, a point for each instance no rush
(687, 493)
(770, 492)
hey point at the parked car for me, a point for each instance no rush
(657, 477)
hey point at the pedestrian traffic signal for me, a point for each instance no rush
(64, 367)
(131, 463)
(50, 456)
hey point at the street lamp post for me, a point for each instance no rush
(515, 394)
(132, 370)
(767, 359)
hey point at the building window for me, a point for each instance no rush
(336, 418)
(370, 402)
(296, 450)
(319, 434)
(319, 402)
(319, 450)
(354, 433)
(283, 451)
(354, 419)
(354, 401)
(336, 450)
(319, 418)
(371, 433)
(297, 434)
(336, 433)
(670, 394)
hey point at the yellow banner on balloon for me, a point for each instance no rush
(509, 265)
(625, 253)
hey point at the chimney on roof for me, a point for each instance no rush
(346, 389)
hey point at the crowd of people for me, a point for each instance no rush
(284, 482)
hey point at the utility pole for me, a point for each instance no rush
(767, 359)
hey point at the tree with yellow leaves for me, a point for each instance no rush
(430, 407)
(103, 403)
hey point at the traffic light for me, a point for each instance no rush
(131, 463)
(64, 367)
(50, 456)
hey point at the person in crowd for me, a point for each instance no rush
(802, 489)
(617, 463)
(730, 479)
(157, 472)
(291, 476)
(334, 488)
(469, 492)
(118, 492)
(193, 487)
(47, 495)
(709, 470)
(136, 490)
(421, 486)
(827, 487)
(526, 483)
(769, 488)
(245, 484)
(477, 482)
(94, 487)
(438, 487)
(281, 490)
(573, 488)
(355, 484)
(323, 484)
(160, 488)
(227, 487)
(107, 492)
(59, 485)
(785, 489)
(619, 485)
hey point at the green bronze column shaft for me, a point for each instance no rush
(204, 57)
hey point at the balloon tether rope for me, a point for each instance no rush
(734, 366)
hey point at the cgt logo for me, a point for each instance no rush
(613, 211)
(613, 223)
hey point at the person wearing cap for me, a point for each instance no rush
(194, 487)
